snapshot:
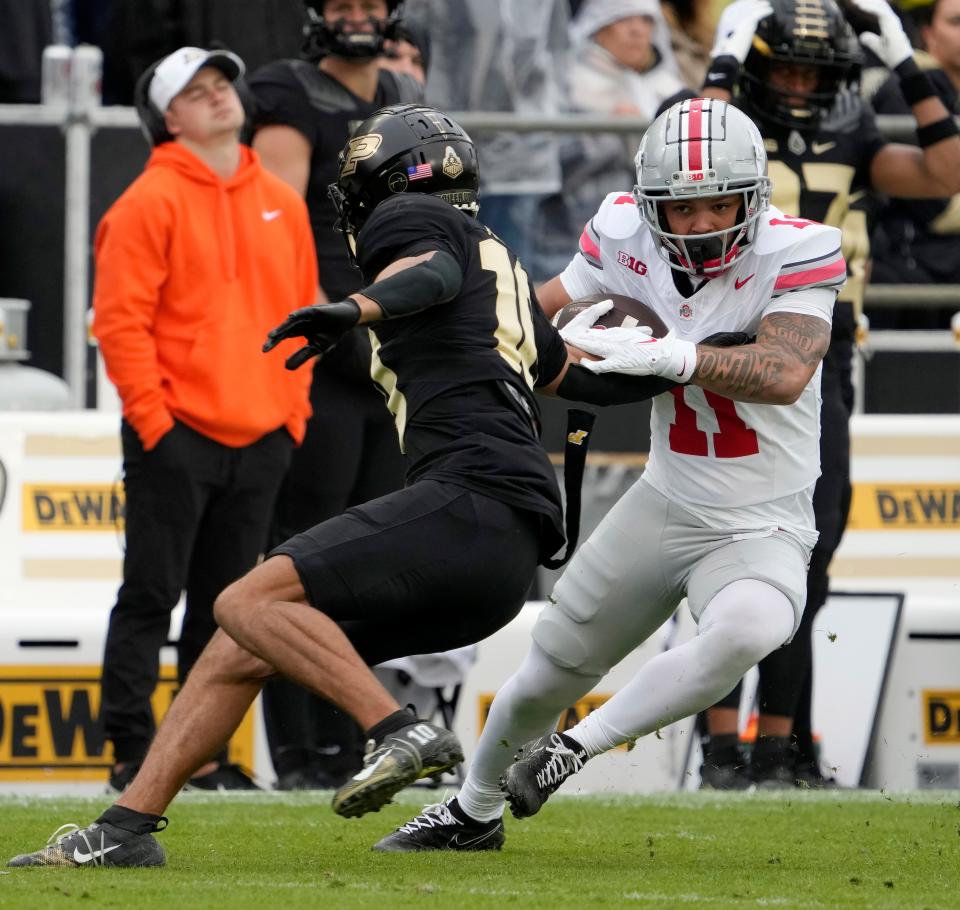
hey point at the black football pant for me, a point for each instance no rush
(197, 518)
(350, 455)
(785, 684)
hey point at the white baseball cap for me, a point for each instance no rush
(176, 70)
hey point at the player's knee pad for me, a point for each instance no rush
(564, 640)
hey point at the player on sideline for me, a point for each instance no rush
(459, 345)
(722, 514)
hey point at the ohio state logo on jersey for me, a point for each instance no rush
(631, 262)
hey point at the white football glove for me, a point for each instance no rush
(636, 352)
(584, 319)
(892, 45)
(737, 26)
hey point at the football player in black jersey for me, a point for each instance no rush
(459, 345)
(791, 67)
(305, 111)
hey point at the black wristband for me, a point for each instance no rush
(936, 132)
(722, 73)
(915, 84)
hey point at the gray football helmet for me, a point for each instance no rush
(702, 147)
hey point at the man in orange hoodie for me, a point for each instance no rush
(200, 256)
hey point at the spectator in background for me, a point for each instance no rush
(409, 51)
(691, 24)
(622, 66)
(200, 256)
(351, 453)
(26, 30)
(510, 56)
(917, 240)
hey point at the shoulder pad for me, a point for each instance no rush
(323, 92)
(400, 87)
(808, 253)
(618, 217)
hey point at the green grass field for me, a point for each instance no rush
(831, 850)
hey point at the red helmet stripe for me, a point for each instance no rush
(695, 135)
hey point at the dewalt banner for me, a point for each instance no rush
(941, 717)
(72, 507)
(50, 726)
(905, 507)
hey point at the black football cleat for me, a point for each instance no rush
(415, 751)
(539, 768)
(99, 844)
(443, 827)
(223, 777)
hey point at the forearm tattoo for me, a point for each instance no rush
(785, 342)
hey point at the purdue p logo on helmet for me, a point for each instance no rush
(404, 148)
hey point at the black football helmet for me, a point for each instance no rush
(404, 148)
(323, 38)
(801, 32)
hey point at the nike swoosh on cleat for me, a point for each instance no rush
(86, 857)
(459, 841)
(739, 284)
(368, 771)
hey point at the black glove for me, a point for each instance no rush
(728, 339)
(323, 325)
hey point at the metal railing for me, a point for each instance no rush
(80, 122)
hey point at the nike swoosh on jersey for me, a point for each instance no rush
(819, 148)
(86, 857)
(739, 284)
(269, 216)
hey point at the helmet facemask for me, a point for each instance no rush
(331, 38)
(728, 160)
(800, 33)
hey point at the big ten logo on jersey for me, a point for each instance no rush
(569, 719)
(51, 728)
(72, 507)
(904, 506)
(359, 149)
(631, 262)
(941, 714)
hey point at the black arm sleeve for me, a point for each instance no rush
(580, 384)
(437, 280)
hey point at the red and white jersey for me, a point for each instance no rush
(734, 463)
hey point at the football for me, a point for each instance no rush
(626, 312)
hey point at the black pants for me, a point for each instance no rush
(785, 683)
(350, 455)
(428, 568)
(197, 517)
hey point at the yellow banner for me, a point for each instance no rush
(72, 507)
(905, 507)
(50, 726)
(941, 717)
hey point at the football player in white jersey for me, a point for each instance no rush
(723, 512)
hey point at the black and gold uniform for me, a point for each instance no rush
(449, 559)
(350, 453)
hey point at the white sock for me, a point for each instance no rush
(525, 708)
(743, 623)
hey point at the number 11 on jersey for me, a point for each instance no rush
(734, 439)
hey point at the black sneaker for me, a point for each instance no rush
(724, 775)
(444, 826)
(223, 777)
(99, 844)
(120, 780)
(415, 751)
(808, 776)
(539, 768)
